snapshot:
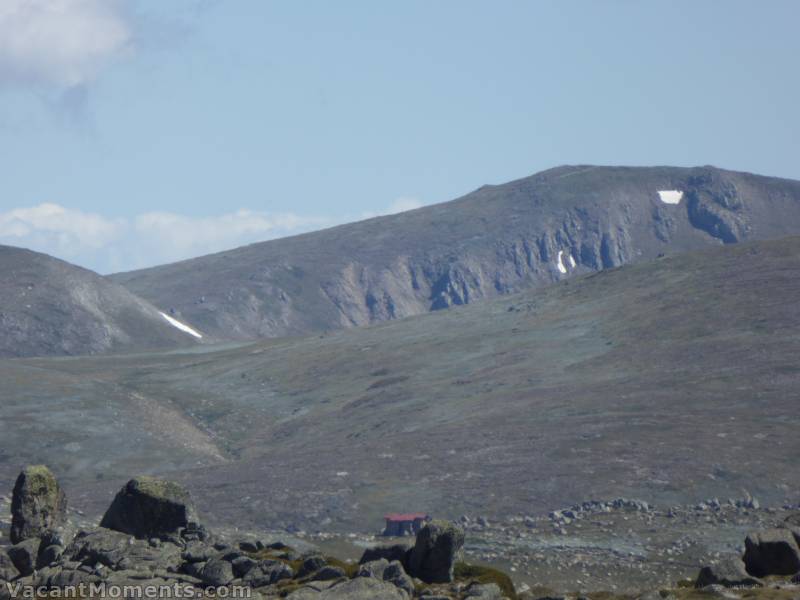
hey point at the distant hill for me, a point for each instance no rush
(50, 307)
(673, 380)
(497, 240)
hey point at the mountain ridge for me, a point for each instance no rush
(496, 240)
(51, 307)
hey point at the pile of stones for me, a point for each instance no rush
(151, 536)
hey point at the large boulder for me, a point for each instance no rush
(771, 552)
(435, 552)
(38, 504)
(728, 573)
(148, 507)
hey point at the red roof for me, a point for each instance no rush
(405, 516)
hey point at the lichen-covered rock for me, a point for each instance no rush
(435, 552)
(38, 504)
(771, 552)
(148, 507)
(728, 573)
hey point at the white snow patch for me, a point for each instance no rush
(178, 325)
(342, 473)
(670, 196)
(561, 266)
(572, 261)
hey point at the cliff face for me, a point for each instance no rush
(496, 240)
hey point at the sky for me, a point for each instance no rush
(139, 132)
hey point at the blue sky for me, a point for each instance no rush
(142, 131)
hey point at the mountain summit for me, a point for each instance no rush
(496, 240)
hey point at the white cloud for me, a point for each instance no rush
(61, 43)
(401, 204)
(107, 245)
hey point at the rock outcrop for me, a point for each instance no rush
(728, 573)
(435, 552)
(38, 504)
(772, 552)
(148, 507)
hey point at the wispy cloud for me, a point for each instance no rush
(107, 244)
(63, 43)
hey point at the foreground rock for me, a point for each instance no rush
(435, 552)
(148, 507)
(361, 588)
(38, 504)
(772, 552)
(729, 573)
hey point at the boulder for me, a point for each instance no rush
(729, 573)
(7, 569)
(398, 552)
(771, 552)
(268, 572)
(24, 555)
(103, 546)
(148, 507)
(49, 555)
(310, 565)
(38, 504)
(361, 588)
(373, 568)
(217, 572)
(395, 574)
(435, 552)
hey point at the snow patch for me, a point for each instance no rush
(178, 325)
(561, 266)
(670, 196)
(572, 262)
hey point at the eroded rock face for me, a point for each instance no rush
(771, 552)
(38, 504)
(434, 555)
(148, 507)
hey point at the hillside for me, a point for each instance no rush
(497, 240)
(672, 379)
(50, 307)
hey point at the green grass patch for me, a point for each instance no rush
(474, 573)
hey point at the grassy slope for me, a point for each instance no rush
(671, 380)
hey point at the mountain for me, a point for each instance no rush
(673, 379)
(497, 240)
(50, 307)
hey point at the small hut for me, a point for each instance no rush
(398, 524)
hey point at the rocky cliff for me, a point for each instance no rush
(494, 241)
